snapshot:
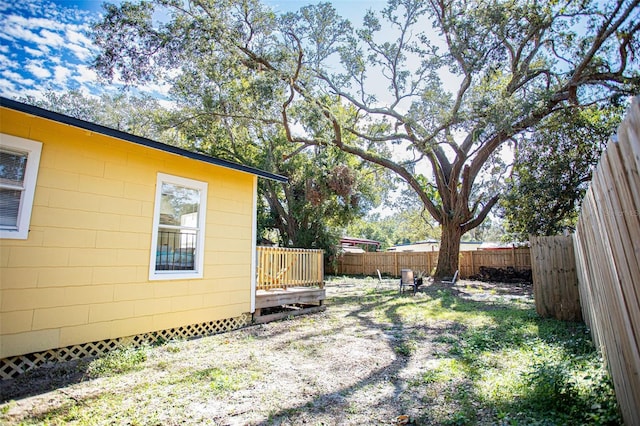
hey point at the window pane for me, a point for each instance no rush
(178, 231)
(9, 207)
(12, 166)
(176, 249)
(179, 205)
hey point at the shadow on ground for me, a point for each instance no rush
(385, 305)
(44, 379)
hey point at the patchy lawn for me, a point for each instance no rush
(473, 354)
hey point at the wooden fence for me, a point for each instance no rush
(607, 250)
(289, 267)
(391, 263)
(555, 283)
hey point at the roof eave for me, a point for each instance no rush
(139, 140)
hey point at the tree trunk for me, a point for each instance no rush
(449, 250)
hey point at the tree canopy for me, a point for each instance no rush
(553, 168)
(447, 84)
(327, 188)
(138, 115)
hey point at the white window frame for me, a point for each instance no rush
(33, 150)
(202, 187)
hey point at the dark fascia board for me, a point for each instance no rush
(149, 143)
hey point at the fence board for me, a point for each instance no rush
(607, 253)
(555, 283)
(391, 263)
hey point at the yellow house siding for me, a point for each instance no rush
(133, 291)
(34, 340)
(82, 274)
(132, 326)
(90, 332)
(16, 321)
(37, 298)
(18, 278)
(111, 311)
(65, 276)
(143, 308)
(59, 317)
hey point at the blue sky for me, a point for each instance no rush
(43, 45)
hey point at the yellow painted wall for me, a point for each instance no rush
(82, 274)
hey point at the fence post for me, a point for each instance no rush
(364, 256)
(473, 265)
(395, 263)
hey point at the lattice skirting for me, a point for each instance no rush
(12, 367)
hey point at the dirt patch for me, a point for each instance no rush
(362, 361)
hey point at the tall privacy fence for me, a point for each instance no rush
(289, 267)
(605, 263)
(391, 263)
(607, 247)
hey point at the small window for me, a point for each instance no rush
(178, 228)
(19, 161)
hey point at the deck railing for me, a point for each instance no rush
(289, 267)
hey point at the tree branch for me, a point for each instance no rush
(481, 216)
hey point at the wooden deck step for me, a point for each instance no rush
(292, 301)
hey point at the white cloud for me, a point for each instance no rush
(77, 16)
(6, 62)
(35, 93)
(73, 35)
(12, 75)
(85, 74)
(33, 23)
(33, 52)
(61, 75)
(18, 33)
(160, 87)
(80, 52)
(78, 43)
(167, 104)
(7, 87)
(52, 39)
(47, 35)
(37, 69)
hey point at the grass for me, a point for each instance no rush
(529, 370)
(506, 360)
(440, 357)
(118, 361)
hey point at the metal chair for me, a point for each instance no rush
(407, 280)
(453, 280)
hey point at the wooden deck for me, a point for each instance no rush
(275, 304)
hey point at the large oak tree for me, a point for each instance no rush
(450, 82)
